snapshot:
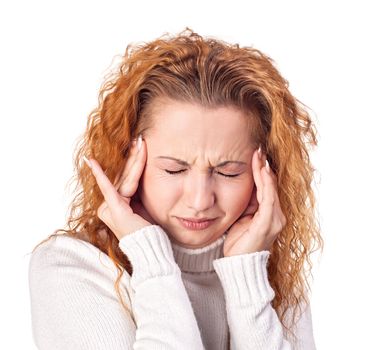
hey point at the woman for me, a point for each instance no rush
(208, 218)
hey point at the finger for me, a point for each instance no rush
(109, 192)
(269, 175)
(256, 167)
(131, 183)
(101, 210)
(253, 207)
(262, 220)
(266, 207)
(129, 163)
(269, 189)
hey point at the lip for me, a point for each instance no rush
(196, 224)
(197, 220)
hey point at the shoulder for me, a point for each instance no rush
(64, 247)
(74, 303)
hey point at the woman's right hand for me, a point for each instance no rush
(116, 211)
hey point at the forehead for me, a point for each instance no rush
(193, 121)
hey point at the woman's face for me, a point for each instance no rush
(202, 138)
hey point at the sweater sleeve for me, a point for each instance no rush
(164, 315)
(73, 300)
(253, 322)
(74, 304)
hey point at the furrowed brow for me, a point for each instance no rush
(220, 165)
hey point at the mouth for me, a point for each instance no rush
(196, 224)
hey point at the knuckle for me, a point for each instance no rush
(280, 225)
(271, 200)
(284, 220)
(101, 210)
(99, 213)
(280, 228)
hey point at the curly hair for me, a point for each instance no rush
(189, 68)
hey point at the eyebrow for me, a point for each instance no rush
(222, 164)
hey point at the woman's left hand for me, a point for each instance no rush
(262, 221)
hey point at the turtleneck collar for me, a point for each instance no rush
(200, 259)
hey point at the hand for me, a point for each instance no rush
(116, 210)
(262, 221)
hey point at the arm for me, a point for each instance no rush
(253, 322)
(73, 300)
(74, 304)
(164, 315)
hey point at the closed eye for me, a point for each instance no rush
(181, 171)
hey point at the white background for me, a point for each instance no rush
(53, 59)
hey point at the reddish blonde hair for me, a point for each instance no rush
(186, 67)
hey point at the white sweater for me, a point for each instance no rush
(180, 298)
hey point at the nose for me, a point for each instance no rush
(199, 193)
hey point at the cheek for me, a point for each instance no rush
(157, 191)
(149, 186)
(238, 196)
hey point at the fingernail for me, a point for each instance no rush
(87, 162)
(139, 141)
(267, 166)
(260, 151)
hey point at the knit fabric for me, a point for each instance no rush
(178, 298)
